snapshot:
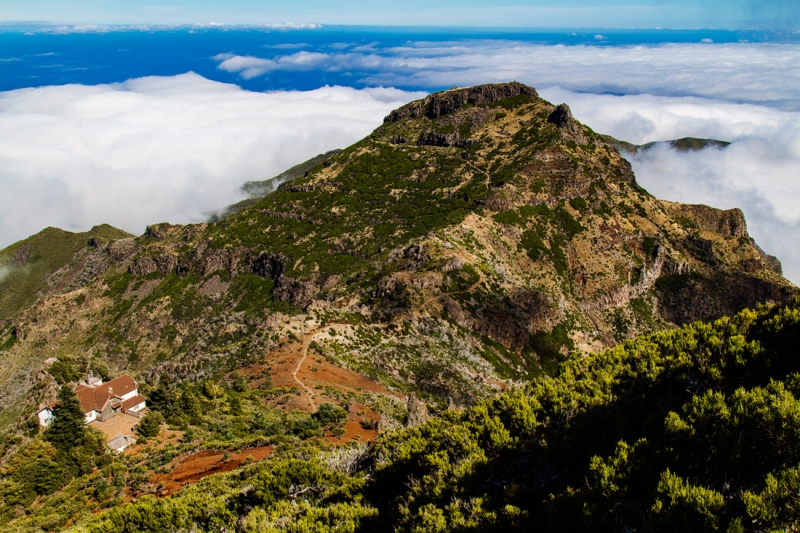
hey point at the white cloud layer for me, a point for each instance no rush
(758, 173)
(746, 72)
(160, 148)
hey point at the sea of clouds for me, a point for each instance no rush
(161, 148)
(175, 148)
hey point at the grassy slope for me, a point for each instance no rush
(43, 254)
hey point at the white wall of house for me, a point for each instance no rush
(91, 415)
(138, 407)
(46, 417)
(131, 394)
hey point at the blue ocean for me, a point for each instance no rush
(32, 56)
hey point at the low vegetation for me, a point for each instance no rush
(695, 429)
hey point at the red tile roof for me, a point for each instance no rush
(94, 398)
(133, 402)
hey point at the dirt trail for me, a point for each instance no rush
(307, 338)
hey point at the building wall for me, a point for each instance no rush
(91, 415)
(107, 412)
(45, 417)
(137, 408)
(131, 394)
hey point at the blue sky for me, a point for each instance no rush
(764, 14)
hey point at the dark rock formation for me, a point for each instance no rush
(398, 139)
(121, 249)
(442, 103)
(159, 231)
(417, 411)
(433, 138)
(142, 266)
(269, 265)
(563, 119)
(703, 245)
(729, 223)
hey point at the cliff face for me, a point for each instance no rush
(472, 240)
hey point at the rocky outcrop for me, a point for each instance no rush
(417, 412)
(563, 119)
(159, 231)
(433, 138)
(771, 261)
(142, 266)
(269, 265)
(623, 295)
(229, 259)
(281, 214)
(299, 293)
(442, 103)
(729, 223)
(676, 268)
(121, 249)
(702, 245)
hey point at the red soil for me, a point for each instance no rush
(193, 468)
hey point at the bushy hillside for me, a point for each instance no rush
(695, 429)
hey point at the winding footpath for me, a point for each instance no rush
(306, 343)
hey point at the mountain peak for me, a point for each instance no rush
(444, 102)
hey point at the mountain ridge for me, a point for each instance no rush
(471, 244)
(507, 239)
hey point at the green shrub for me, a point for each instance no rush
(150, 425)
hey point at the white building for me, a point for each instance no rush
(101, 401)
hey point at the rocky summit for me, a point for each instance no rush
(473, 241)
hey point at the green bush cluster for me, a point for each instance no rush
(67, 450)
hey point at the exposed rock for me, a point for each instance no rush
(417, 411)
(223, 259)
(752, 265)
(623, 295)
(302, 188)
(703, 245)
(21, 255)
(678, 268)
(728, 223)
(159, 231)
(121, 249)
(771, 261)
(563, 119)
(296, 292)
(398, 139)
(281, 214)
(433, 138)
(454, 263)
(142, 266)
(269, 265)
(214, 287)
(442, 103)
